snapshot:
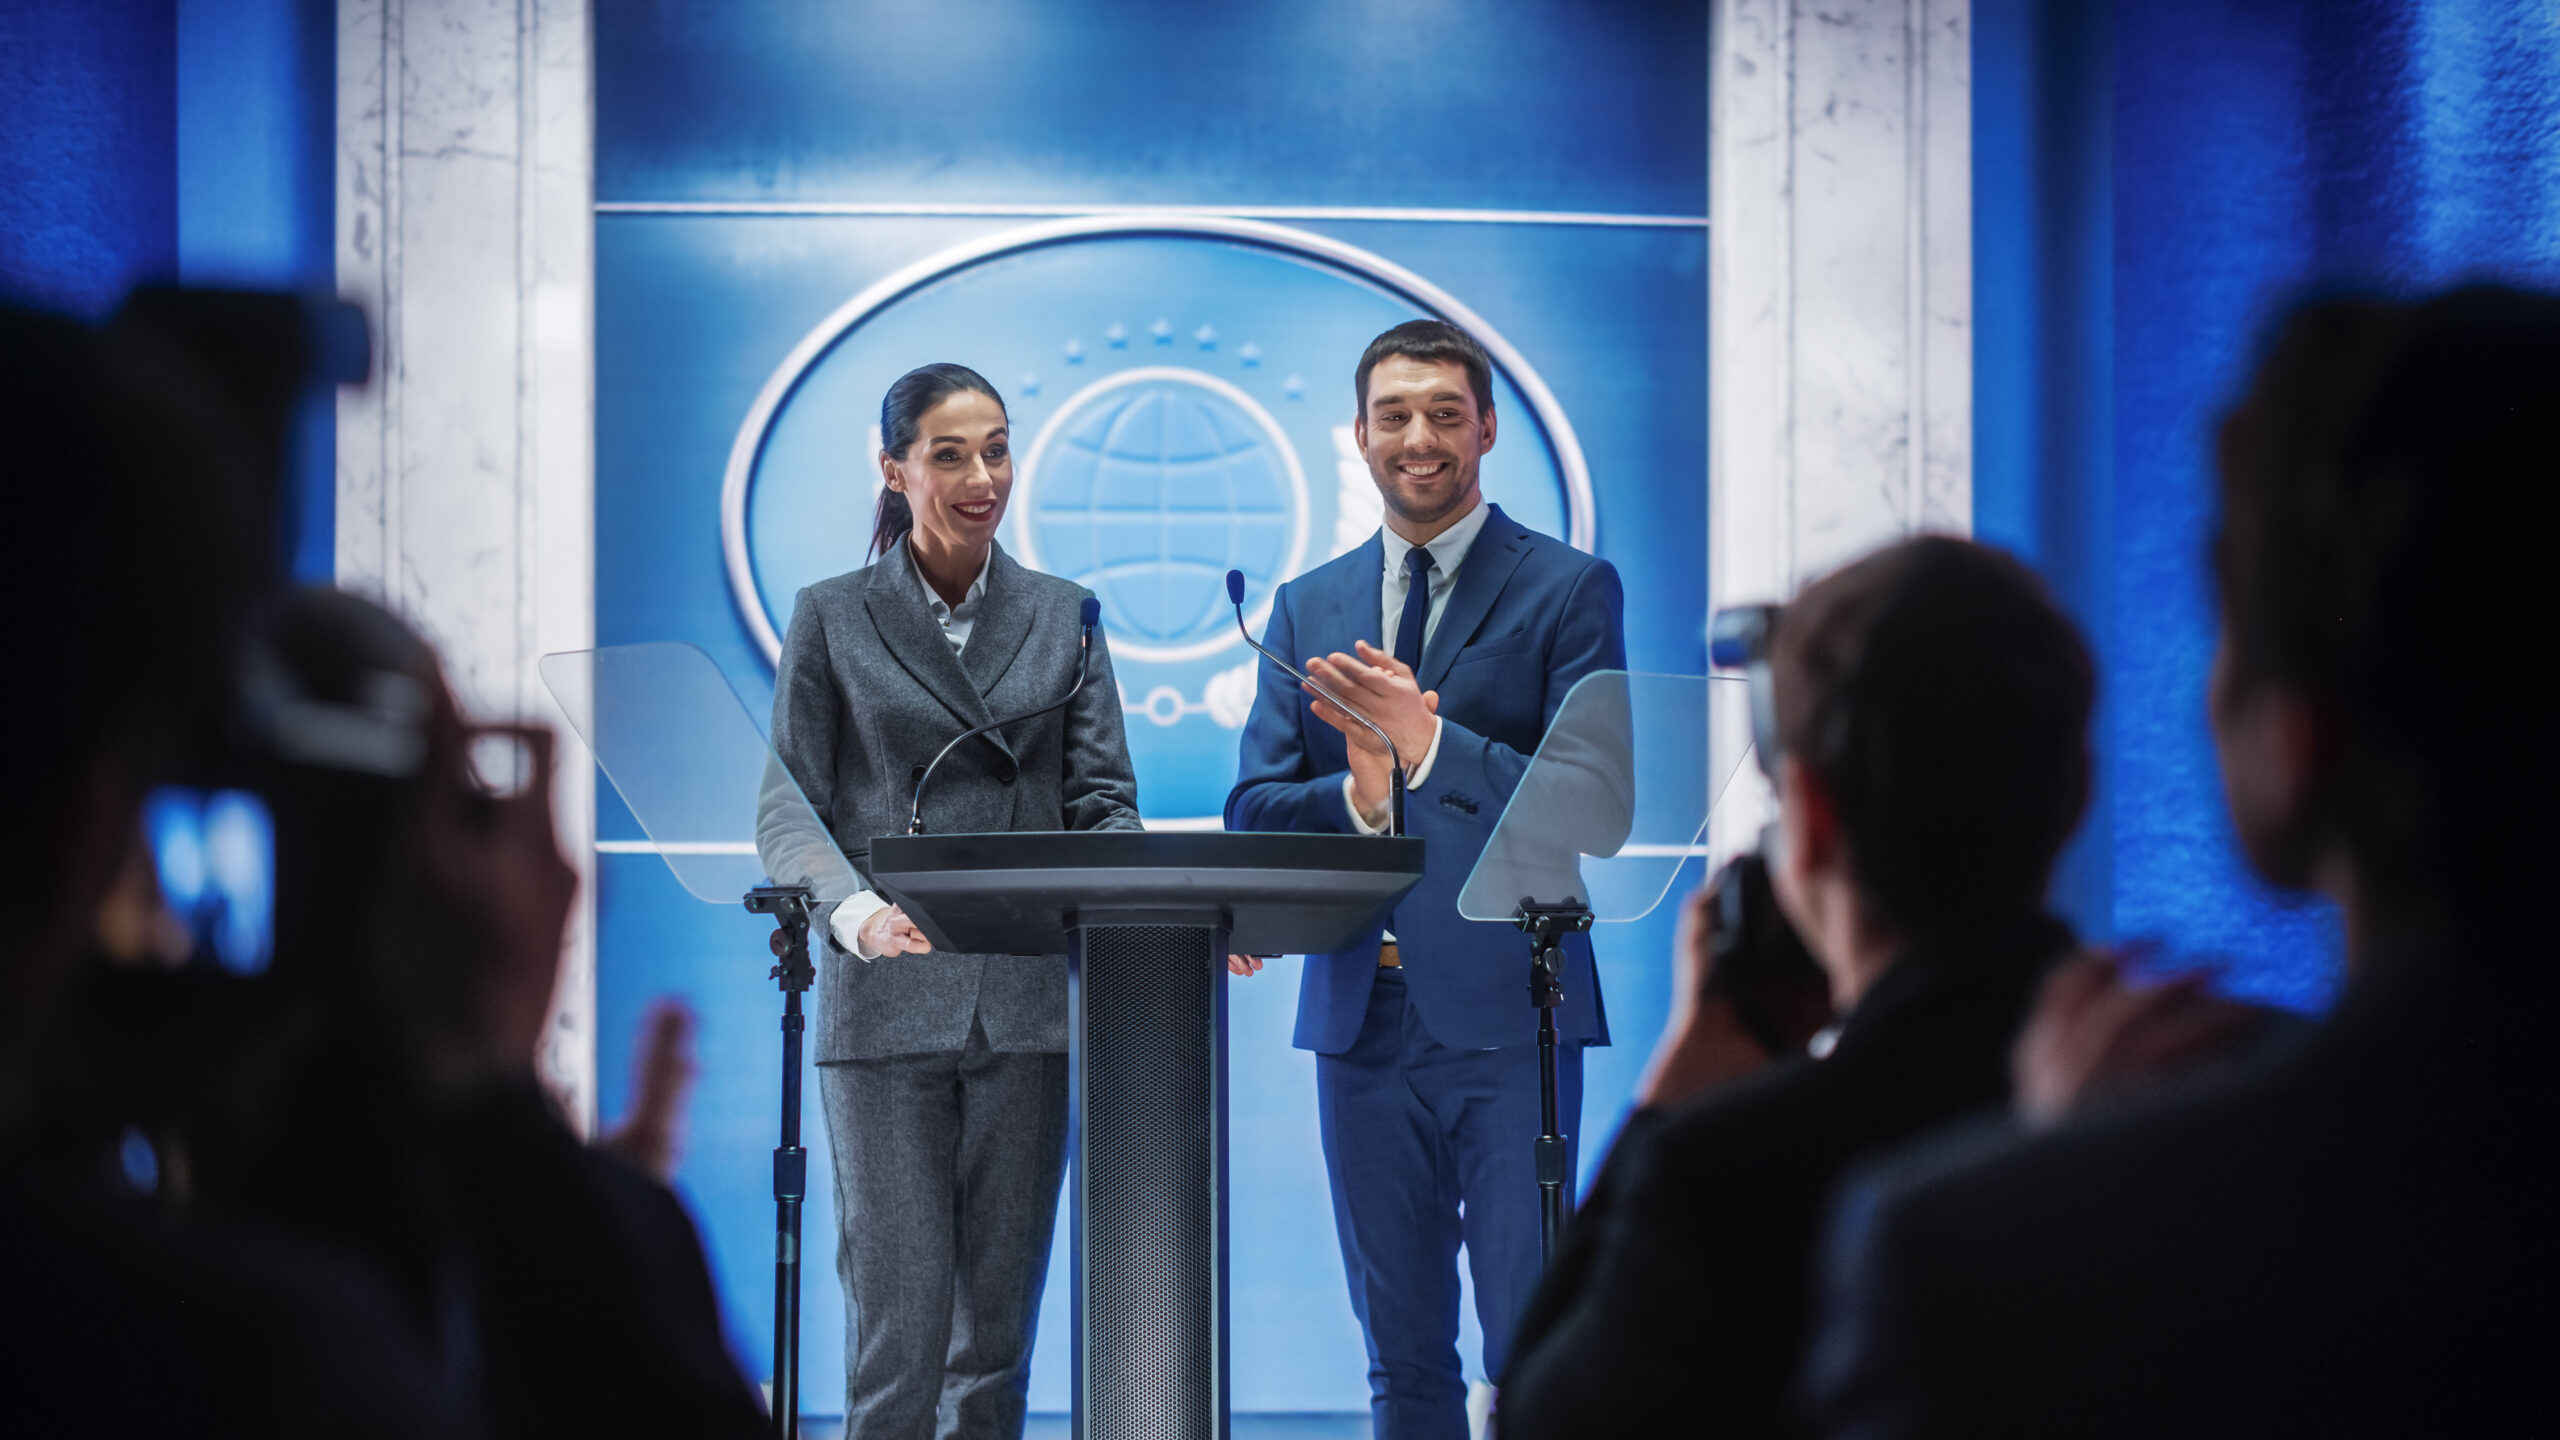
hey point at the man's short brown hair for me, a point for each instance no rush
(1943, 701)
(1427, 340)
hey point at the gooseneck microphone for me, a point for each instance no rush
(1087, 616)
(1395, 760)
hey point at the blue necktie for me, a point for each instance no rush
(1417, 607)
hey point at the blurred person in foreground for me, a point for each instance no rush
(557, 1288)
(2355, 1239)
(1931, 710)
(135, 539)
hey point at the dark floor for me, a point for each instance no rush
(1247, 1426)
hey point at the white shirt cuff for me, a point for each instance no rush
(1359, 821)
(1413, 779)
(854, 912)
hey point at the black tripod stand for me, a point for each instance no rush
(789, 906)
(1547, 925)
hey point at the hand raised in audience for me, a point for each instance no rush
(651, 1136)
(2095, 1030)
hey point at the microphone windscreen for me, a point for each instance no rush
(1089, 614)
(1235, 587)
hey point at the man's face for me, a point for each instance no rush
(1423, 431)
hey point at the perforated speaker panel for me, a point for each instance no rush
(1150, 1175)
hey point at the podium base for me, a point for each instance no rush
(1149, 1130)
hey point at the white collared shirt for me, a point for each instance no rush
(1448, 551)
(956, 622)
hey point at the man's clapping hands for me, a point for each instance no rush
(1385, 690)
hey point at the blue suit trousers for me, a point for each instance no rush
(1430, 1147)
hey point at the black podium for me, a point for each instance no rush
(1147, 921)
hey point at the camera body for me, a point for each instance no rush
(1761, 967)
(211, 829)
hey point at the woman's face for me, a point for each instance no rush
(958, 473)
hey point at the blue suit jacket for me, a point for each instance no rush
(1528, 616)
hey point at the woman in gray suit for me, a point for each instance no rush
(944, 1076)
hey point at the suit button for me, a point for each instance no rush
(1006, 770)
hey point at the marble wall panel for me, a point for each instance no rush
(1840, 384)
(466, 472)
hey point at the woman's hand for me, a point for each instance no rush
(890, 932)
(1244, 964)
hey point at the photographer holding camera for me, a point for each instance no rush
(279, 938)
(137, 537)
(1925, 725)
(555, 1288)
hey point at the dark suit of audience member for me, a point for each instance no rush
(2356, 1239)
(1931, 706)
(596, 1311)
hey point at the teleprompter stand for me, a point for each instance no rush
(789, 905)
(694, 770)
(1614, 803)
(1547, 925)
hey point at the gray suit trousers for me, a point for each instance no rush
(948, 1168)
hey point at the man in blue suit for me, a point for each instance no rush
(1459, 632)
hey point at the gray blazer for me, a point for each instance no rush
(867, 691)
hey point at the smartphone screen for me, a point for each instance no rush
(214, 854)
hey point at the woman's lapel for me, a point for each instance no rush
(895, 598)
(1004, 623)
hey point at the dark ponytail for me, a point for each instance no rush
(902, 410)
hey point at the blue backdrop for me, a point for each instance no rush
(2151, 182)
(163, 140)
(2148, 180)
(777, 240)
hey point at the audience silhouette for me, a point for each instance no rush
(2354, 1237)
(324, 1194)
(1931, 709)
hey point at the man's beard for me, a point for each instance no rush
(1400, 500)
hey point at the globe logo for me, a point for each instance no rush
(1148, 486)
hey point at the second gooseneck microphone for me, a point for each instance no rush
(1395, 760)
(1087, 616)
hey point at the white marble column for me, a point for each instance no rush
(1840, 299)
(466, 471)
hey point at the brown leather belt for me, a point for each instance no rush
(1389, 958)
